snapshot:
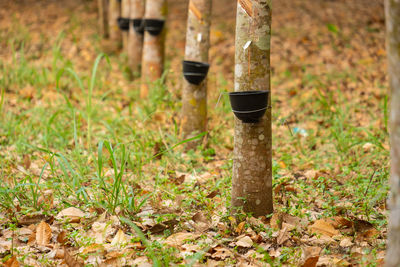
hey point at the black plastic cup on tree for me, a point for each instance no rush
(138, 25)
(123, 24)
(154, 26)
(195, 72)
(249, 106)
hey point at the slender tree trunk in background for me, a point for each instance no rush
(194, 97)
(135, 43)
(392, 12)
(125, 12)
(252, 163)
(153, 46)
(114, 12)
(103, 17)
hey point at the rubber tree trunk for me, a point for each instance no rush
(252, 164)
(114, 12)
(125, 13)
(392, 12)
(194, 97)
(153, 47)
(103, 17)
(135, 43)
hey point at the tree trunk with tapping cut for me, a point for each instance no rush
(153, 46)
(392, 12)
(102, 6)
(135, 43)
(194, 97)
(125, 13)
(252, 163)
(114, 13)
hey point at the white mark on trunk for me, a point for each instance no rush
(237, 86)
(244, 10)
(238, 70)
(261, 137)
(199, 37)
(258, 202)
(246, 45)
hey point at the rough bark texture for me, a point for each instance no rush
(392, 10)
(125, 13)
(135, 42)
(194, 97)
(114, 12)
(153, 46)
(252, 164)
(103, 17)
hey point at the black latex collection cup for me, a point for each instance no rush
(123, 24)
(154, 26)
(195, 72)
(249, 106)
(138, 25)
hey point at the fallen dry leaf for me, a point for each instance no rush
(93, 248)
(368, 235)
(283, 236)
(59, 254)
(276, 220)
(323, 227)
(244, 242)
(199, 217)
(179, 179)
(340, 262)
(201, 222)
(178, 239)
(221, 253)
(141, 261)
(62, 238)
(362, 225)
(32, 239)
(346, 242)
(339, 222)
(213, 194)
(12, 262)
(310, 256)
(310, 174)
(113, 262)
(43, 234)
(240, 227)
(71, 261)
(32, 219)
(73, 214)
(119, 239)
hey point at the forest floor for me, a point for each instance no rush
(82, 178)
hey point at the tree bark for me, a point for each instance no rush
(153, 47)
(194, 97)
(135, 43)
(392, 12)
(114, 12)
(125, 13)
(252, 163)
(103, 17)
